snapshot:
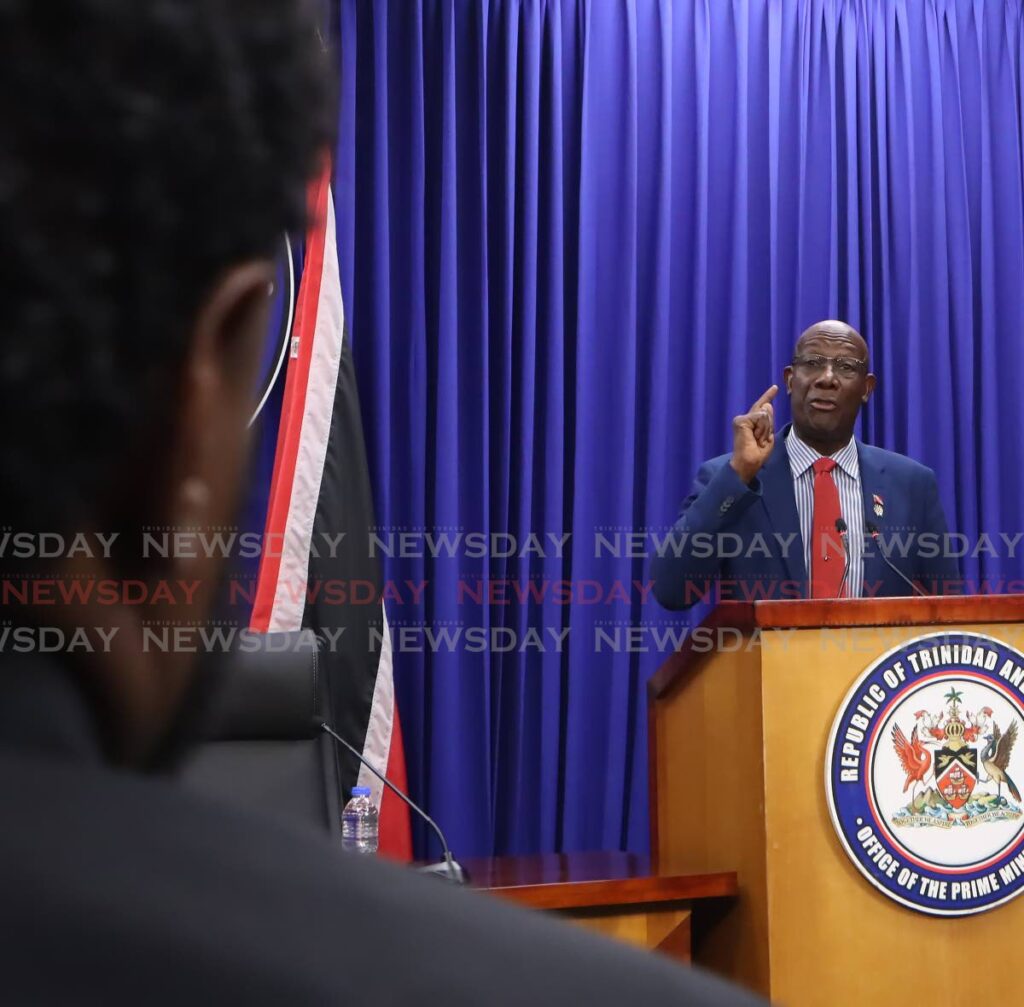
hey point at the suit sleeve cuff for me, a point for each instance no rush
(728, 496)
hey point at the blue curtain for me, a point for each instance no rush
(577, 237)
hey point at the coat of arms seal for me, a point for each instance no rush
(921, 773)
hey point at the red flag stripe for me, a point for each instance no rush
(395, 831)
(293, 407)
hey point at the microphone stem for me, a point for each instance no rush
(387, 783)
(873, 532)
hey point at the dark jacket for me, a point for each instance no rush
(116, 888)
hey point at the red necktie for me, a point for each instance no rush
(827, 556)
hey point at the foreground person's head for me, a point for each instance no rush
(153, 151)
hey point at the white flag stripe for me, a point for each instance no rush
(377, 745)
(290, 595)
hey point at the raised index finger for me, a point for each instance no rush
(765, 399)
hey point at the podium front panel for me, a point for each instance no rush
(739, 744)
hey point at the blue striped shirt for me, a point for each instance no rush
(851, 502)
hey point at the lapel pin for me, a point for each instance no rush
(879, 505)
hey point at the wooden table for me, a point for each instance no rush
(613, 893)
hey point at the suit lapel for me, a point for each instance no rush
(872, 482)
(780, 502)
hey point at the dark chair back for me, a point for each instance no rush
(263, 747)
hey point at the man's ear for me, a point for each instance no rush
(229, 330)
(210, 451)
(219, 381)
(787, 377)
(869, 387)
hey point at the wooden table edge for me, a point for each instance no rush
(620, 892)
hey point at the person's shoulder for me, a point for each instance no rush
(152, 889)
(894, 463)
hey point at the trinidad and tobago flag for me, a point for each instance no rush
(319, 514)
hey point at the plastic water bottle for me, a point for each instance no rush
(359, 823)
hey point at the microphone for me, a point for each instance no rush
(842, 529)
(449, 868)
(873, 532)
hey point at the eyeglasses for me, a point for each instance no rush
(842, 367)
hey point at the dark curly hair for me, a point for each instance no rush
(145, 146)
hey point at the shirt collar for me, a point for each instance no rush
(802, 456)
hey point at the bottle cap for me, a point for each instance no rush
(360, 791)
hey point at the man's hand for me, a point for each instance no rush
(753, 436)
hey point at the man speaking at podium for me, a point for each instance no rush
(810, 511)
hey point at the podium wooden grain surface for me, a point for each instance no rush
(737, 748)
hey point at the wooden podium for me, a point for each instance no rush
(737, 743)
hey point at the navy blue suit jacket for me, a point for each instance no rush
(724, 516)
